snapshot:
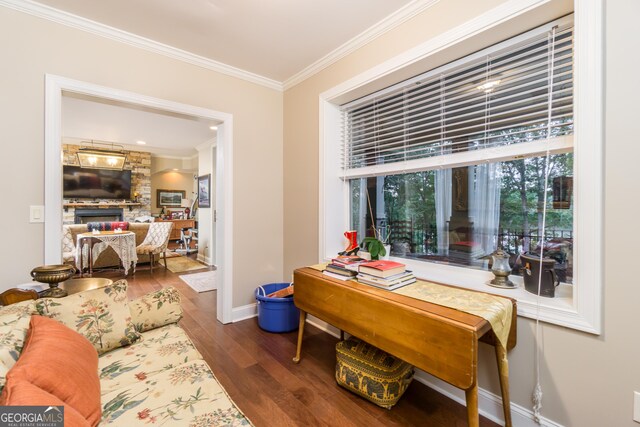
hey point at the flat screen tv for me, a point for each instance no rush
(85, 183)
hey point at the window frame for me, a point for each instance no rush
(581, 309)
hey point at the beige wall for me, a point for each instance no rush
(587, 380)
(32, 47)
(171, 180)
(165, 164)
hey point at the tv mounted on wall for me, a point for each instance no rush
(85, 183)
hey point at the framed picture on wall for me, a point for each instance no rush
(170, 198)
(204, 191)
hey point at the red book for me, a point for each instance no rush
(382, 268)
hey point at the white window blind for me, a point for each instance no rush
(505, 99)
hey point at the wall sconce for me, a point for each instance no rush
(99, 155)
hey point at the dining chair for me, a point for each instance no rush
(156, 241)
(68, 246)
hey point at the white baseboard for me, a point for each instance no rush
(489, 404)
(204, 259)
(244, 312)
(324, 326)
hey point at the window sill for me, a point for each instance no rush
(559, 310)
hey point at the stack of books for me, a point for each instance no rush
(349, 261)
(384, 274)
(343, 267)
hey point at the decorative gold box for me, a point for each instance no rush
(371, 373)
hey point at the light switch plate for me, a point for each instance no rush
(636, 406)
(36, 213)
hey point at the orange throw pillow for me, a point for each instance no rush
(63, 363)
(18, 393)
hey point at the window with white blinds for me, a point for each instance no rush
(510, 100)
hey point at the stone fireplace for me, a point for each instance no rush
(139, 163)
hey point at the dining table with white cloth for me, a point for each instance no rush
(90, 245)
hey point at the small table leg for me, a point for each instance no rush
(90, 259)
(79, 262)
(303, 318)
(472, 406)
(92, 242)
(503, 371)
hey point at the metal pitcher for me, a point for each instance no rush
(501, 269)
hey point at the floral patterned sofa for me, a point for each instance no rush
(149, 370)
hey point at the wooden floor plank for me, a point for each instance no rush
(255, 368)
(308, 389)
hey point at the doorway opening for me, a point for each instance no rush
(220, 225)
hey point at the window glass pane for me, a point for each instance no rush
(459, 216)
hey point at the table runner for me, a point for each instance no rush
(494, 309)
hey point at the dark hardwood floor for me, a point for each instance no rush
(255, 368)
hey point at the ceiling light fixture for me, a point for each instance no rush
(213, 127)
(101, 155)
(141, 143)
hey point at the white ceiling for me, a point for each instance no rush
(166, 134)
(272, 38)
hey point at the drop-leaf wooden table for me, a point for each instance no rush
(436, 339)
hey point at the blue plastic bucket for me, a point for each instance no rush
(276, 314)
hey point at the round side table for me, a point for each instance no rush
(74, 286)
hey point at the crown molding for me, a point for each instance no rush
(46, 12)
(493, 17)
(390, 22)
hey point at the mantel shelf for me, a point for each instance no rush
(130, 205)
